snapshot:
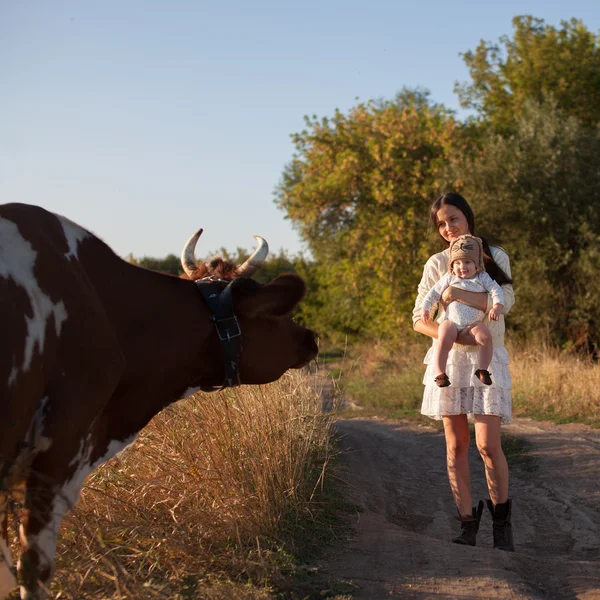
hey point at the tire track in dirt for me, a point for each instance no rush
(396, 477)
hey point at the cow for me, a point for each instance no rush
(93, 347)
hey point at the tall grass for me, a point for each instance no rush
(385, 380)
(547, 383)
(552, 384)
(206, 503)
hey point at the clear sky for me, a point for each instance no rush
(144, 120)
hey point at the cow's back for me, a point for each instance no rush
(54, 332)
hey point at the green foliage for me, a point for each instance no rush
(539, 62)
(171, 264)
(548, 384)
(274, 265)
(538, 192)
(389, 394)
(358, 189)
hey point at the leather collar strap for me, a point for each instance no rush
(220, 302)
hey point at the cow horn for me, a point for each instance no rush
(253, 262)
(188, 262)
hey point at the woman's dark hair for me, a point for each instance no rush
(456, 200)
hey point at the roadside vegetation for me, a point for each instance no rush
(562, 386)
(222, 496)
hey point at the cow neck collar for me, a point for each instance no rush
(220, 303)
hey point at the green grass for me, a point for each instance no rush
(335, 373)
(329, 355)
(388, 394)
(547, 384)
(518, 452)
(535, 406)
(310, 535)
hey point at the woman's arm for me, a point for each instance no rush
(477, 300)
(430, 329)
(465, 337)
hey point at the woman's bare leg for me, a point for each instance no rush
(447, 334)
(487, 434)
(483, 337)
(456, 430)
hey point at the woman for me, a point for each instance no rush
(467, 397)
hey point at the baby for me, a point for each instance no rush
(467, 272)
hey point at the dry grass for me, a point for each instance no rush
(550, 384)
(384, 380)
(204, 501)
(547, 383)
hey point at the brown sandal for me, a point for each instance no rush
(442, 380)
(484, 376)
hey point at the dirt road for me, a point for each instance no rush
(404, 518)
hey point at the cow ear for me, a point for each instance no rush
(277, 299)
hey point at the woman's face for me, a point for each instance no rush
(451, 222)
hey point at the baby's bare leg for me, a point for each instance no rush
(483, 337)
(447, 334)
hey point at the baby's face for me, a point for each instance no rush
(464, 268)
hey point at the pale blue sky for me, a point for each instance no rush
(144, 120)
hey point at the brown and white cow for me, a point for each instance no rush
(92, 348)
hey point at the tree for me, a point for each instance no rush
(539, 62)
(170, 264)
(358, 188)
(538, 193)
(273, 266)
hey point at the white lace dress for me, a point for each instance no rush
(466, 394)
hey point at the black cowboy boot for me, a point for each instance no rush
(469, 526)
(503, 537)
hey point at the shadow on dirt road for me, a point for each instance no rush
(395, 471)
